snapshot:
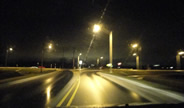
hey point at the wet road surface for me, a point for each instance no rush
(80, 88)
(36, 92)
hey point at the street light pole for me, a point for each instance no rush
(97, 62)
(79, 59)
(50, 46)
(137, 61)
(178, 65)
(111, 50)
(41, 70)
(96, 29)
(73, 58)
(6, 57)
(137, 48)
(178, 61)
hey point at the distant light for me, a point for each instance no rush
(92, 65)
(50, 46)
(134, 45)
(80, 54)
(11, 49)
(80, 62)
(96, 28)
(156, 65)
(181, 52)
(134, 54)
(171, 67)
(101, 57)
(119, 64)
(109, 65)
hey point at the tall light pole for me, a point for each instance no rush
(73, 58)
(178, 61)
(137, 60)
(79, 59)
(98, 61)
(135, 47)
(7, 52)
(50, 46)
(96, 29)
(110, 51)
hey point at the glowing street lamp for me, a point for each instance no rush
(134, 45)
(98, 60)
(79, 60)
(96, 28)
(10, 49)
(7, 52)
(50, 46)
(178, 57)
(101, 57)
(181, 53)
(134, 54)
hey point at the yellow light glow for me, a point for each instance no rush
(48, 80)
(181, 52)
(80, 54)
(80, 62)
(134, 45)
(96, 28)
(50, 46)
(48, 93)
(135, 95)
(101, 57)
(11, 49)
(134, 54)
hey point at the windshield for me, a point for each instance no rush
(91, 53)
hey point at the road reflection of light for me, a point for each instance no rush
(90, 85)
(135, 96)
(48, 93)
(48, 80)
(99, 82)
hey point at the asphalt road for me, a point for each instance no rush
(81, 88)
(95, 90)
(34, 91)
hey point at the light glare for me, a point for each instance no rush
(80, 62)
(134, 54)
(50, 46)
(96, 28)
(181, 52)
(11, 49)
(134, 45)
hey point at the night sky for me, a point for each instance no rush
(27, 25)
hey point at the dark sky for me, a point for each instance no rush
(158, 26)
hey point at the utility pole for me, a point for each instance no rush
(137, 62)
(178, 61)
(63, 58)
(110, 51)
(42, 56)
(73, 58)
